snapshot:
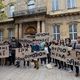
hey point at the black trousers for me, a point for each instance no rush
(77, 69)
(10, 60)
(61, 64)
(56, 62)
(28, 63)
(49, 58)
(13, 56)
(53, 60)
(43, 60)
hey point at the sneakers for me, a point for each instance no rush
(70, 71)
(49, 66)
(55, 65)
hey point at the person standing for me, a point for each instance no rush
(49, 54)
(15, 44)
(46, 49)
(69, 44)
(77, 47)
(10, 54)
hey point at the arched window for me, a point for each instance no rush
(55, 5)
(10, 33)
(31, 6)
(11, 10)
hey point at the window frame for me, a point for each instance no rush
(56, 33)
(73, 31)
(10, 34)
(71, 4)
(11, 11)
(55, 5)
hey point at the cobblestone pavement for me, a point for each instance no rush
(13, 73)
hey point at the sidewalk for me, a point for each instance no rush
(13, 73)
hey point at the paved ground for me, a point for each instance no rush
(13, 73)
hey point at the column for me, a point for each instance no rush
(20, 30)
(38, 26)
(78, 29)
(16, 31)
(5, 34)
(64, 30)
(43, 27)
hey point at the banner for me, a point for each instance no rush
(42, 37)
(66, 54)
(73, 57)
(35, 55)
(4, 51)
(21, 52)
(59, 52)
(62, 53)
(28, 55)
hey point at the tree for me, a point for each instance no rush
(2, 12)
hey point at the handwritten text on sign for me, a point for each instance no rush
(66, 54)
(4, 51)
(35, 55)
(25, 53)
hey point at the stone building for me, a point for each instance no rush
(60, 18)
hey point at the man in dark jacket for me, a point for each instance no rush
(15, 44)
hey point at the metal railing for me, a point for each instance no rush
(30, 11)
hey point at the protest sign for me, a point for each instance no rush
(59, 52)
(21, 52)
(4, 51)
(35, 55)
(66, 54)
(27, 55)
(42, 37)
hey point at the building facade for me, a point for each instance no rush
(60, 18)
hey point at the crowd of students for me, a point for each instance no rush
(43, 46)
(46, 46)
(63, 65)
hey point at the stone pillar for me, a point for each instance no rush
(20, 30)
(64, 30)
(16, 31)
(43, 27)
(38, 26)
(78, 29)
(5, 34)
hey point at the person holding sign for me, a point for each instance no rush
(69, 45)
(15, 44)
(77, 46)
(48, 52)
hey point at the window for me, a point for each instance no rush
(31, 6)
(12, 8)
(1, 36)
(10, 34)
(71, 3)
(73, 31)
(55, 5)
(56, 32)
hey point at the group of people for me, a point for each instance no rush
(36, 46)
(61, 64)
(13, 43)
(58, 63)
